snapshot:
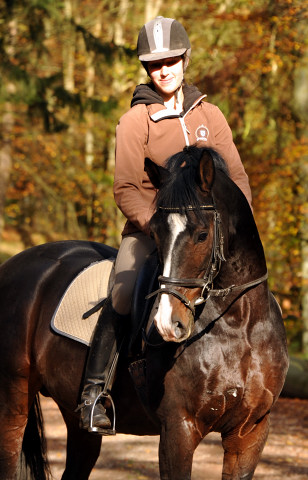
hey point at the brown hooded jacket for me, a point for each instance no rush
(150, 130)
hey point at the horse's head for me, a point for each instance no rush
(187, 231)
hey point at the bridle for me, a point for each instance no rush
(168, 284)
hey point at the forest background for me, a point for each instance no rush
(68, 71)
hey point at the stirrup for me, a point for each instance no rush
(98, 430)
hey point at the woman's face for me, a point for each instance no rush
(166, 75)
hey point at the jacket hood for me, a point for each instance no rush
(147, 95)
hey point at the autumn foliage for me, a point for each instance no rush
(68, 71)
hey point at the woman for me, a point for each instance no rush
(165, 116)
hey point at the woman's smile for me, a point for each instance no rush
(166, 75)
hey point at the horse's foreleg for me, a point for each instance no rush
(82, 450)
(242, 453)
(176, 449)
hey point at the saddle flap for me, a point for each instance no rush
(89, 288)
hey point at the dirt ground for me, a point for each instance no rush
(127, 457)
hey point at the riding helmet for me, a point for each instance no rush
(163, 38)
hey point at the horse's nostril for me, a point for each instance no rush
(178, 329)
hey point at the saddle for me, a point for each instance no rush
(78, 310)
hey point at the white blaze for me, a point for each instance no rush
(177, 224)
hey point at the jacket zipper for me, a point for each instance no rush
(160, 115)
(182, 120)
(185, 131)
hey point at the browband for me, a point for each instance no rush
(190, 207)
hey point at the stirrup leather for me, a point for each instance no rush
(104, 394)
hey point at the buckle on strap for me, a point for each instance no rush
(86, 403)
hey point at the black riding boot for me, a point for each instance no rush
(101, 366)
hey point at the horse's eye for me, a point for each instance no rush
(202, 237)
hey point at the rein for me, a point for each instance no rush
(167, 284)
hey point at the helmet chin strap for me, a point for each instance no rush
(177, 95)
(177, 92)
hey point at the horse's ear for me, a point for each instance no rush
(206, 172)
(156, 173)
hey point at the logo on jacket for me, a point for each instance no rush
(202, 133)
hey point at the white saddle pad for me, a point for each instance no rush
(86, 290)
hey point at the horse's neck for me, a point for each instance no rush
(246, 259)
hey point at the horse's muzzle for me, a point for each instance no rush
(177, 330)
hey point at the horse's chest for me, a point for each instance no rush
(206, 390)
(207, 406)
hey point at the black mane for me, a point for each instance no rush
(180, 189)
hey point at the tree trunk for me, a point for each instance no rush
(69, 43)
(301, 105)
(7, 127)
(151, 10)
(5, 158)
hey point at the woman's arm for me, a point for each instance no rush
(131, 196)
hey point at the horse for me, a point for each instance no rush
(216, 359)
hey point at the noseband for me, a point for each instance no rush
(167, 284)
